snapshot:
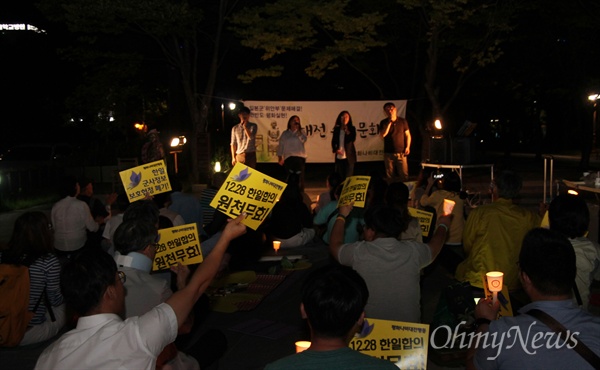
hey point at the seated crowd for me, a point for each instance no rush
(99, 266)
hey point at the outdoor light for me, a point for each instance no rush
(593, 97)
(572, 192)
(231, 106)
(178, 141)
(217, 166)
(438, 124)
(140, 126)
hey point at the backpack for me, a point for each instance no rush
(14, 314)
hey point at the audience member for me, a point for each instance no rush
(31, 245)
(419, 188)
(117, 209)
(326, 218)
(135, 242)
(452, 253)
(206, 197)
(291, 221)
(494, 232)
(186, 205)
(381, 258)
(71, 219)
(333, 302)
(92, 286)
(396, 196)
(546, 270)
(569, 215)
(163, 201)
(333, 181)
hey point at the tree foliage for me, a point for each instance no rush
(331, 32)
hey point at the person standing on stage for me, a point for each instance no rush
(396, 143)
(342, 144)
(291, 151)
(243, 140)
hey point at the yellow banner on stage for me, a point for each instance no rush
(150, 178)
(355, 190)
(179, 244)
(425, 218)
(403, 343)
(248, 190)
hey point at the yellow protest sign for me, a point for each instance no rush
(248, 190)
(150, 178)
(403, 343)
(355, 190)
(425, 218)
(179, 244)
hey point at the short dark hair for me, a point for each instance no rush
(134, 235)
(68, 186)
(142, 209)
(451, 182)
(548, 258)
(334, 297)
(569, 215)
(509, 184)
(31, 239)
(386, 221)
(244, 110)
(388, 104)
(85, 277)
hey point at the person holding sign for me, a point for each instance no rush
(94, 288)
(342, 144)
(391, 267)
(243, 140)
(333, 302)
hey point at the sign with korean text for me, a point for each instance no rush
(403, 343)
(248, 190)
(355, 190)
(150, 178)
(317, 119)
(425, 218)
(179, 244)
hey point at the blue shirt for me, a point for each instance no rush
(539, 351)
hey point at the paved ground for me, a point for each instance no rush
(269, 331)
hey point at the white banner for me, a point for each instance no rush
(318, 119)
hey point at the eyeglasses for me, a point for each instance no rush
(122, 277)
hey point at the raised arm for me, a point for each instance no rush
(337, 233)
(183, 300)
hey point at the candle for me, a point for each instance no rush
(494, 280)
(276, 245)
(302, 345)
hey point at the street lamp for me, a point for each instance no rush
(594, 99)
(177, 144)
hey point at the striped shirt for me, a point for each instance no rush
(43, 272)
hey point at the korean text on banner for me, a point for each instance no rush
(403, 343)
(355, 190)
(248, 190)
(150, 178)
(179, 244)
(425, 218)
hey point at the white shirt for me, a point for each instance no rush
(70, 219)
(111, 226)
(175, 217)
(105, 341)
